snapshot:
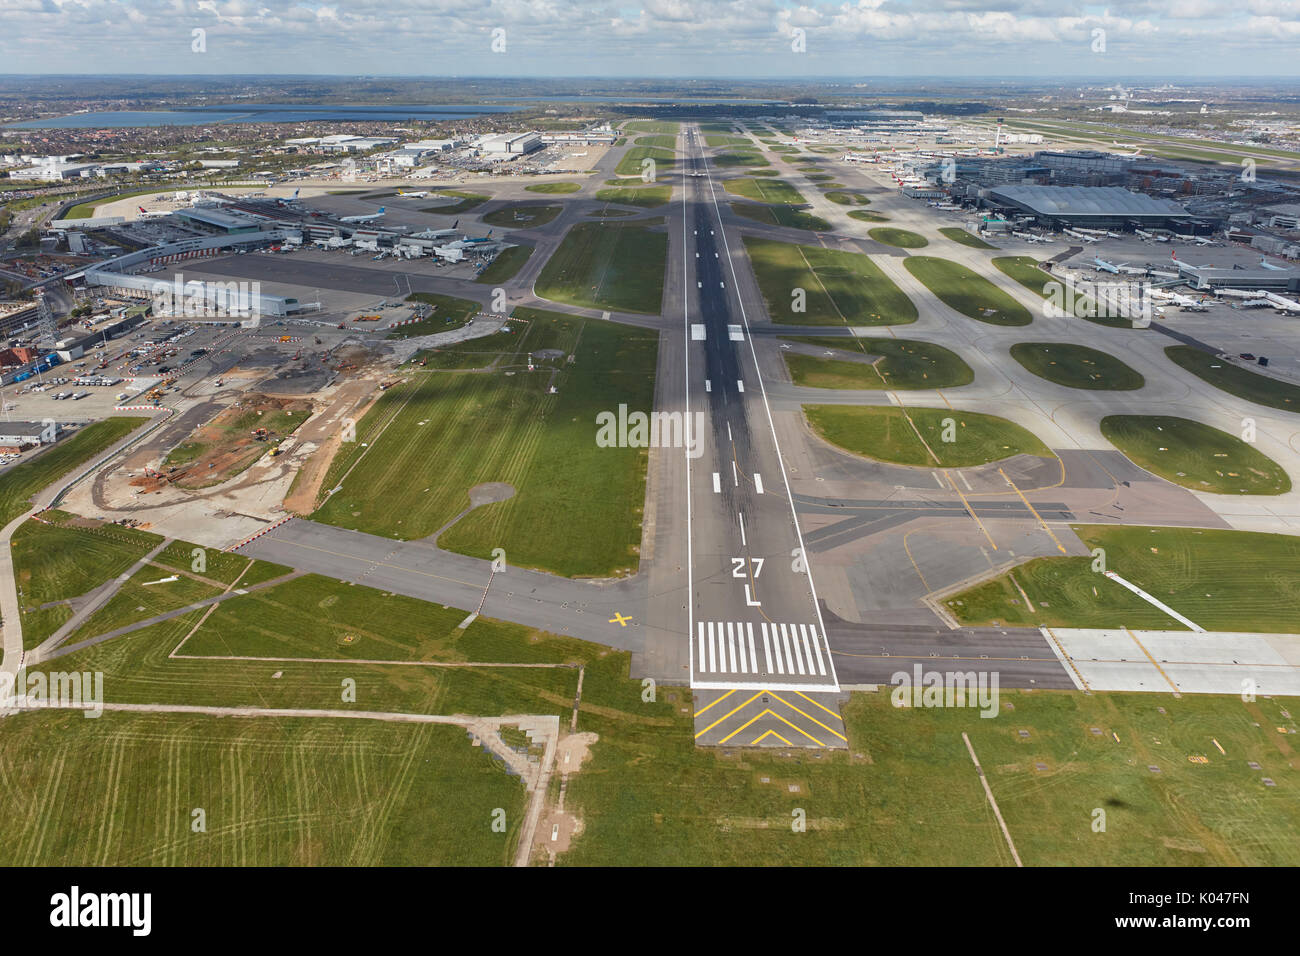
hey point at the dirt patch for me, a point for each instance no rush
(230, 443)
(352, 400)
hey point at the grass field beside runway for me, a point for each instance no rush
(967, 292)
(863, 215)
(652, 126)
(957, 234)
(659, 142)
(577, 510)
(523, 215)
(504, 267)
(885, 433)
(121, 790)
(635, 193)
(1235, 380)
(839, 287)
(449, 312)
(764, 190)
(632, 163)
(899, 363)
(1222, 580)
(1195, 455)
(845, 198)
(19, 483)
(907, 792)
(901, 238)
(557, 189)
(787, 216)
(607, 266)
(1024, 269)
(742, 157)
(1076, 366)
(715, 140)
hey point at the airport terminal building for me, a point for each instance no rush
(1098, 207)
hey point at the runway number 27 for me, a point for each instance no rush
(738, 571)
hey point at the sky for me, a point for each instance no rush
(653, 38)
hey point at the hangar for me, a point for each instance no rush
(1102, 206)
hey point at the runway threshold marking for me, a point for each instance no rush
(765, 713)
(1057, 541)
(715, 701)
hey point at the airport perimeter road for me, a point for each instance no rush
(753, 614)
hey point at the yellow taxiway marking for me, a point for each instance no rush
(619, 619)
(1172, 685)
(729, 713)
(772, 733)
(969, 510)
(815, 704)
(810, 717)
(1059, 547)
(717, 701)
(778, 717)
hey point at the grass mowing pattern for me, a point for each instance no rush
(863, 216)
(1221, 579)
(22, 481)
(1024, 269)
(1195, 455)
(957, 234)
(504, 267)
(523, 215)
(844, 198)
(787, 216)
(630, 165)
(607, 266)
(883, 433)
(645, 196)
(840, 287)
(901, 363)
(1076, 366)
(967, 292)
(54, 562)
(742, 157)
(659, 142)
(764, 190)
(715, 139)
(652, 126)
(554, 188)
(276, 792)
(577, 510)
(901, 238)
(1235, 380)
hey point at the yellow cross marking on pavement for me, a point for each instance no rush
(619, 619)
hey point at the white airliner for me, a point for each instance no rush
(291, 199)
(146, 214)
(422, 194)
(370, 218)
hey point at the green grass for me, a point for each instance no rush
(1076, 366)
(523, 215)
(645, 196)
(19, 484)
(577, 510)
(901, 238)
(143, 596)
(607, 266)
(787, 216)
(714, 139)
(1222, 580)
(505, 265)
(467, 202)
(967, 292)
(819, 177)
(899, 363)
(865, 216)
(652, 126)
(847, 198)
(1195, 455)
(764, 190)
(55, 562)
(839, 287)
(659, 142)
(554, 188)
(1024, 269)
(276, 792)
(481, 352)
(631, 163)
(882, 432)
(449, 312)
(742, 157)
(1222, 374)
(957, 234)
(86, 210)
